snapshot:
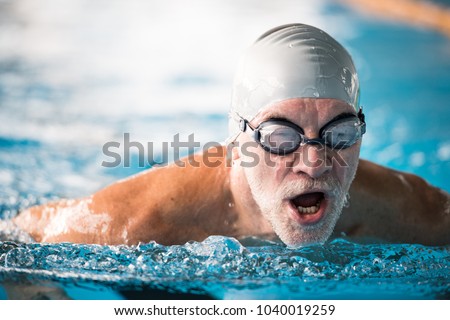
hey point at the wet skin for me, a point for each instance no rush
(175, 204)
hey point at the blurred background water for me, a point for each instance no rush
(76, 74)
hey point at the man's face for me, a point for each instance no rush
(301, 194)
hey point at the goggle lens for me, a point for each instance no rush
(343, 134)
(279, 137)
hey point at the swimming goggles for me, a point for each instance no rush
(282, 137)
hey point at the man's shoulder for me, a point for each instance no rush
(396, 206)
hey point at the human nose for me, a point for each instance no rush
(311, 159)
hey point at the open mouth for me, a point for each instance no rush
(309, 207)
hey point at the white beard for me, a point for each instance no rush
(276, 212)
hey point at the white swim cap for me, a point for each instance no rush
(292, 61)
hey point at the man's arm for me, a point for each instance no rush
(171, 205)
(395, 206)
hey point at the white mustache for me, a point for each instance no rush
(329, 185)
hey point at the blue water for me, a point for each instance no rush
(221, 267)
(60, 102)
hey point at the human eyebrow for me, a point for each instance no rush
(278, 119)
(274, 117)
(340, 116)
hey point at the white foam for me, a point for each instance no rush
(9, 231)
(417, 159)
(74, 216)
(390, 153)
(6, 177)
(443, 152)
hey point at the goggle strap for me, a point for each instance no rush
(243, 124)
(361, 115)
(362, 118)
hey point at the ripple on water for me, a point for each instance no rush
(222, 262)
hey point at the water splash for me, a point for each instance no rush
(222, 266)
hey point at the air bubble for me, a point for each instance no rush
(199, 266)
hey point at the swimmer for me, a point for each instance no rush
(290, 170)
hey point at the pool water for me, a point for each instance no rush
(222, 268)
(74, 77)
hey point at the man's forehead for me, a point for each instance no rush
(292, 107)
